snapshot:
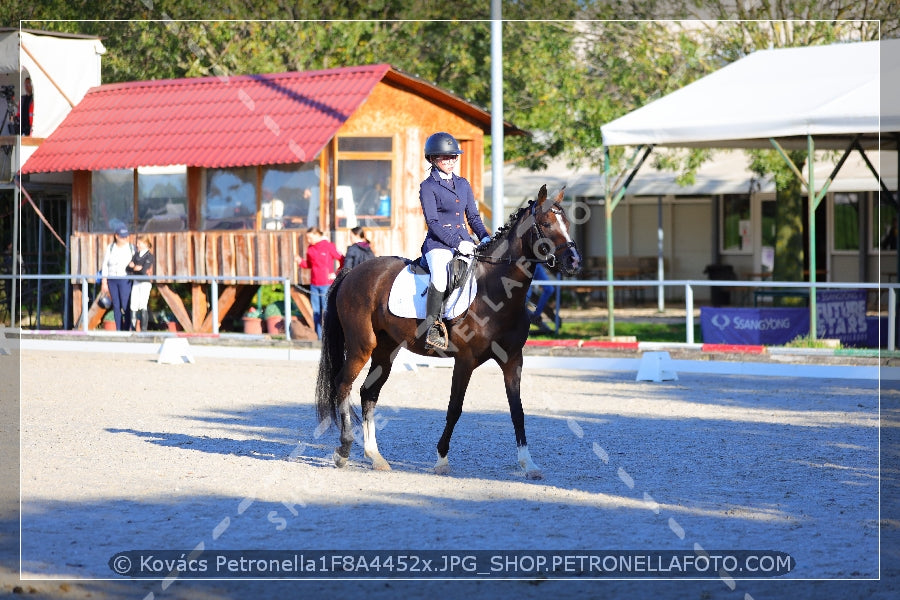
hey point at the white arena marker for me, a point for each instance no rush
(656, 366)
(175, 351)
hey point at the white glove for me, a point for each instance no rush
(466, 247)
(485, 239)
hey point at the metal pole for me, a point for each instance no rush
(608, 207)
(84, 304)
(287, 308)
(892, 319)
(497, 209)
(214, 302)
(689, 309)
(660, 291)
(811, 200)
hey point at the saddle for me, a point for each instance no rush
(410, 288)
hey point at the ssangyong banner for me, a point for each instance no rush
(753, 326)
(841, 315)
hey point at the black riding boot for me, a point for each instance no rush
(145, 319)
(436, 333)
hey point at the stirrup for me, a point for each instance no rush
(436, 337)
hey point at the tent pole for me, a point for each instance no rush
(608, 208)
(812, 202)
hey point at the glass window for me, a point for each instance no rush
(230, 199)
(736, 231)
(363, 193)
(885, 223)
(290, 196)
(846, 222)
(112, 200)
(162, 198)
(365, 144)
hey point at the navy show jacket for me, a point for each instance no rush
(447, 206)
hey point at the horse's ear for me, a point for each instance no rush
(542, 195)
(561, 195)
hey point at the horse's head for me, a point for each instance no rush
(550, 240)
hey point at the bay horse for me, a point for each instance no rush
(357, 326)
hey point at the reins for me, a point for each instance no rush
(550, 257)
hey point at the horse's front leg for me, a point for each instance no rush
(462, 374)
(512, 377)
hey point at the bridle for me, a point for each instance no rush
(551, 258)
(536, 230)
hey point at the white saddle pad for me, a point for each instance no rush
(409, 291)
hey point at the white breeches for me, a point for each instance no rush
(437, 260)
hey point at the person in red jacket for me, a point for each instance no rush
(321, 257)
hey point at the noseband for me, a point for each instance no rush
(551, 257)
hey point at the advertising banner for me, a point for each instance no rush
(841, 315)
(753, 326)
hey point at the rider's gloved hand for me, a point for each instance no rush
(485, 239)
(466, 247)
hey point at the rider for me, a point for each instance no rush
(447, 204)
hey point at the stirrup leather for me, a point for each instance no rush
(436, 337)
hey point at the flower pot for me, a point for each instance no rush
(109, 325)
(173, 326)
(252, 325)
(275, 324)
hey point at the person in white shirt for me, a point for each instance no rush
(114, 280)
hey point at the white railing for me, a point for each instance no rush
(86, 280)
(690, 284)
(687, 284)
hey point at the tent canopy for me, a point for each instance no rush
(832, 92)
(62, 68)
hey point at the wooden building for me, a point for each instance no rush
(227, 173)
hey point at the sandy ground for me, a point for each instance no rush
(121, 453)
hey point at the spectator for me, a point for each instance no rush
(141, 264)
(114, 281)
(360, 250)
(321, 256)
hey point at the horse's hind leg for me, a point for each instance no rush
(380, 370)
(344, 381)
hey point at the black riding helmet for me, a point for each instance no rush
(441, 143)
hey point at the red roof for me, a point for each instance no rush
(207, 122)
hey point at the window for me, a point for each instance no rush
(846, 222)
(162, 198)
(364, 179)
(884, 223)
(736, 231)
(112, 200)
(230, 199)
(290, 196)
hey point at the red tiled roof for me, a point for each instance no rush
(207, 122)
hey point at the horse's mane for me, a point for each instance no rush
(501, 233)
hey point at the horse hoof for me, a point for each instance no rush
(534, 474)
(442, 466)
(339, 461)
(380, 464)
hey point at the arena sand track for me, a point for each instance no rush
(121, 453)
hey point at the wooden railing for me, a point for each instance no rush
(203, 253)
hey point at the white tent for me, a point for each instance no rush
(830, 92)
(62, 69)
(842, 96)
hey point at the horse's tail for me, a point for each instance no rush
(332, 357)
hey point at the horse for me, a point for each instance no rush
(357, 326)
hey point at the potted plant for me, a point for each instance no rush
(109, 320)
(274, 319)
(252, 321)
